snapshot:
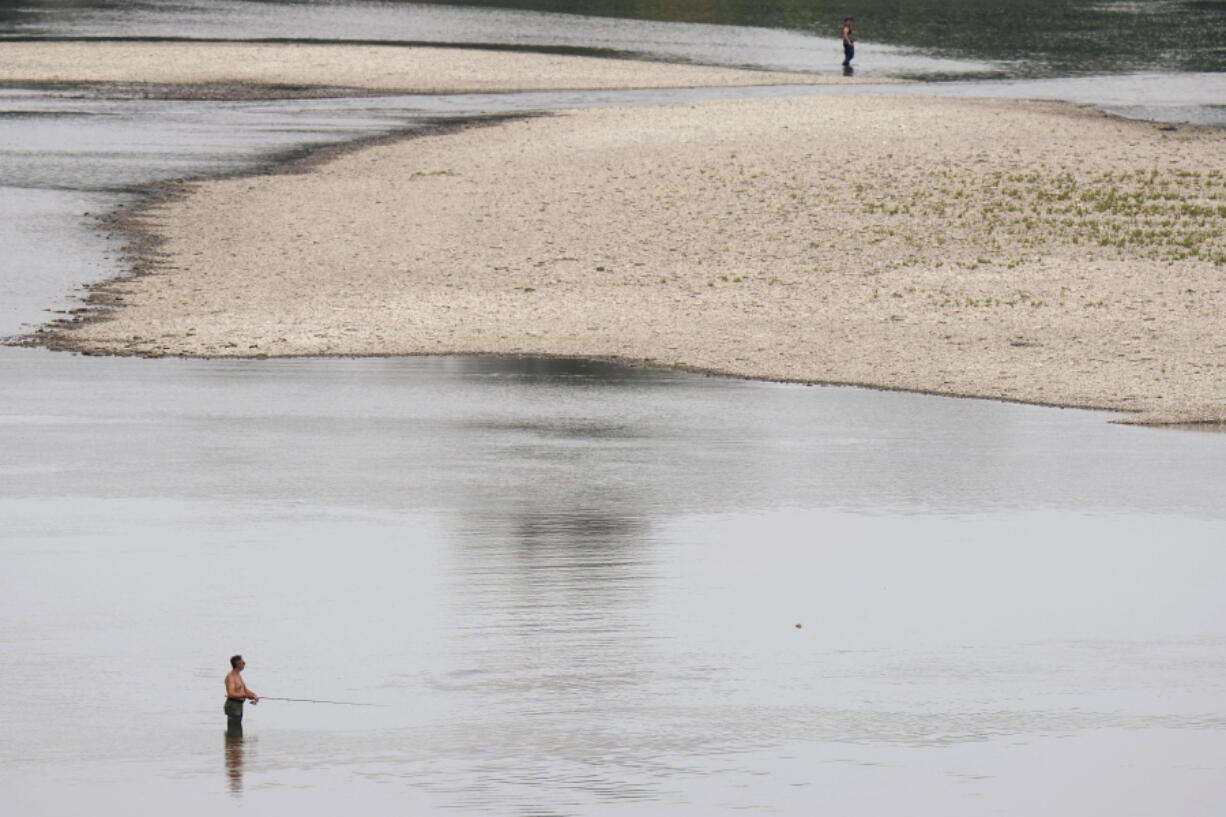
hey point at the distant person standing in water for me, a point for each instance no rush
(237, 694)
(849, 42)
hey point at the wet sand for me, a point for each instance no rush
(1034, 252)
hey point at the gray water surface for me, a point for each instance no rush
(574, 588)
(564, 587)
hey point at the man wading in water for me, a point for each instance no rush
(849, 44)
(236, 695)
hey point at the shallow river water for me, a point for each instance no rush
(573, 588)
(564, 587)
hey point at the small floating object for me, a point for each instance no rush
(797, 626)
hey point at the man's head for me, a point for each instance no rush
(237, 662)
(848, 20)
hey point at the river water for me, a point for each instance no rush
(561, 587)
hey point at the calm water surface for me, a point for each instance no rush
(567, 587)
(574, 589)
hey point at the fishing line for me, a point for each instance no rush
(316, 701)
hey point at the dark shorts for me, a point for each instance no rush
(234, 708)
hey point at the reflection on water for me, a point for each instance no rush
(235, 748)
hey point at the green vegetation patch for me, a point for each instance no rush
(1162, 215)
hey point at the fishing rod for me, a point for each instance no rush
(316, 701)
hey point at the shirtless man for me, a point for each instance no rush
(236, 695)
(849, 42)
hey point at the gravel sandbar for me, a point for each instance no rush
(1021, 251)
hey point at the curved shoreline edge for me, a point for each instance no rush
(909, 244)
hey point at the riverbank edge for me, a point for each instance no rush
(141, 243)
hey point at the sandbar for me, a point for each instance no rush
(384, 68)
(1022, 251)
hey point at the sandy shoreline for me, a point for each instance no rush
(383, 68)
(1021, 251)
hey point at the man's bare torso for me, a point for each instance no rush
(235, 688)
